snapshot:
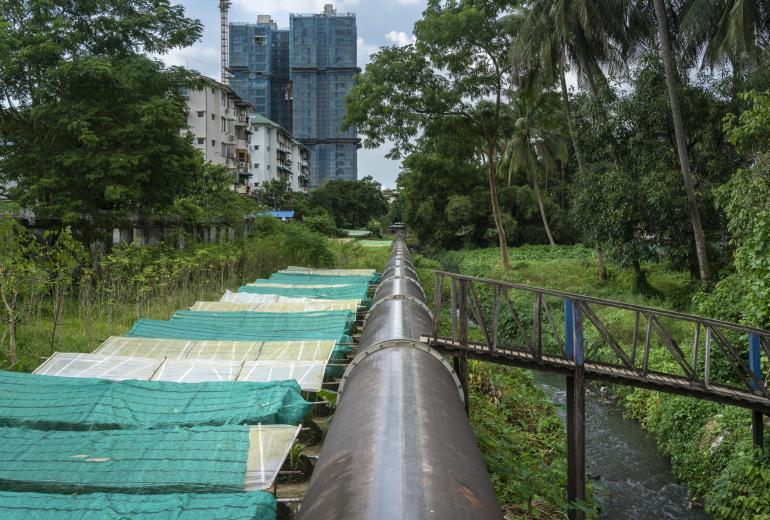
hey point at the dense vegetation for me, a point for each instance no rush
(56, 294)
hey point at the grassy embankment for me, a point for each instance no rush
(709, 444)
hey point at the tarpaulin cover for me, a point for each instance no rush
(236, 297)
(312, 306)
(348, 292)
(256, 505)
(309, 374)
(63, 403)
(220, 459)
(247, 326)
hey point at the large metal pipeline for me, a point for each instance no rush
(400, 445)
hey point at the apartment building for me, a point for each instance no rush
(219, 121)
(275, 154)
(299, 77)
(259, 68)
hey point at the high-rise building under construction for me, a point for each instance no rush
(299, 78)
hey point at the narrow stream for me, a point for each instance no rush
(630, 478)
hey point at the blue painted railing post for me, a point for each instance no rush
(569, 320)
(755, 365)
(576, 462)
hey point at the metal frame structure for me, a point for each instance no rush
(608, 359)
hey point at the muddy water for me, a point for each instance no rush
(630, 478)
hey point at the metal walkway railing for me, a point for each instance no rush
(591, 338)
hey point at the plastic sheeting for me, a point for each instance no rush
(235, 297)
(309, 374)
(307, 350)
(46, 403)
(120, 506)
(182, 460)
(312, 306)
(117, 368)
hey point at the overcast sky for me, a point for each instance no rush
(379, 23)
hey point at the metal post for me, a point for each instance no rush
(461, 361)
(755, 365)
(461, 369)
(576, 464)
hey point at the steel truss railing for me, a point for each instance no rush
(540, 341)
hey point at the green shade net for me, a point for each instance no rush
(64, 403)
(347, 292)
(247, 326)
(327, 324)
(257, 505)
(181, 460)
(306, 278)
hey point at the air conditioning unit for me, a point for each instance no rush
(231, 138)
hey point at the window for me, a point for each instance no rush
(213, 143)
(224, 99)
(212, 117)
(201, 140)
(256, 147)
(256, 165)
(201, 113)
(260, 40)
(224, 124)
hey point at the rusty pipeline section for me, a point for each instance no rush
(400, 445)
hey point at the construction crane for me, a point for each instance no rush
(224, 6)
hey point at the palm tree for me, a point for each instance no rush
(732, 30)
(672, 82)
(582, 34)
(537, 142)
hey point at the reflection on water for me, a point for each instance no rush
(631, 479)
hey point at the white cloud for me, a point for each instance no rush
(198, 57)
(400, 38)
(364, 50)
(409, 2)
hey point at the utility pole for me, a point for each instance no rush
(224, 6)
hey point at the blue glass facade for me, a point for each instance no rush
(299, 78)
(323, 64)
(259, 69)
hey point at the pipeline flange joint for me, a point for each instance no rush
(393, 343)
(398, 276)
(396, 297)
